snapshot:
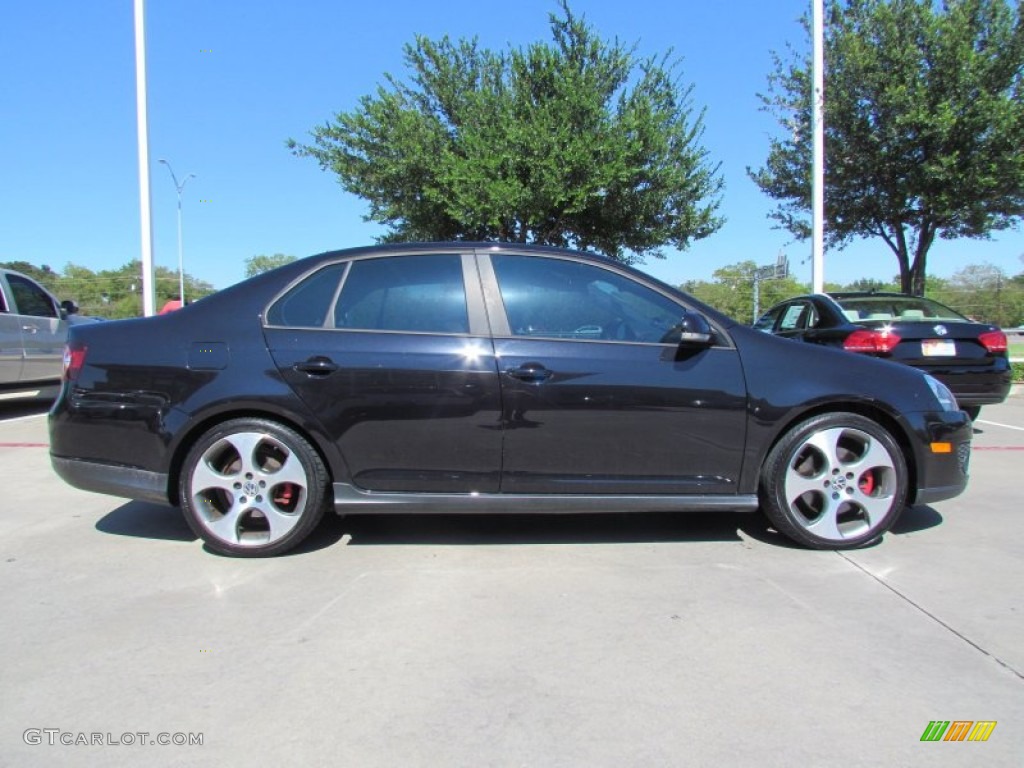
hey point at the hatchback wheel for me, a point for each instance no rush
(253, 487)
(835, 481)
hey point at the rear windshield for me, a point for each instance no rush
(896, 308)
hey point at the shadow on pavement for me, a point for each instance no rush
(916, 519)
(152, 521)
(492, 529)
(146, 521)
(17, 409)
(912, 520)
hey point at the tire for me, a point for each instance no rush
(972, 411)
(253, 488)
(835, 481)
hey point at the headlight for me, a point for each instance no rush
(942, 394)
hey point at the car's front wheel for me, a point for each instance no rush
(253, 487)
(834, 481)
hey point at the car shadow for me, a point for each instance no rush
(502, 529)
(914, 519)
(152, 521)
(146, 521)
(19, 409)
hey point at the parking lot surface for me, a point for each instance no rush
(612, 640)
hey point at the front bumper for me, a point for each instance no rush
(942, 454)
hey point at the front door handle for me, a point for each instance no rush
(317, 366)
(533, 373)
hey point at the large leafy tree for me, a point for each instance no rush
(256, 265)
(731, 290)
(924, 126)
(574, 142)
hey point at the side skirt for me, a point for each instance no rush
(349, 499)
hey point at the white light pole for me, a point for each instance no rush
(181, 260)
(818, 151)
(142, 125)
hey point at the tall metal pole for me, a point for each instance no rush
(145, 196)
(179, 188)
(818, 153)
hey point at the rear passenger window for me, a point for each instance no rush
(404, 293)
(308, 304)
(792, 319)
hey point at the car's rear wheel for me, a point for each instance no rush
(253, 487)
(835, 481)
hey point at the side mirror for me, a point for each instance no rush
(694, 330)
(69, 307)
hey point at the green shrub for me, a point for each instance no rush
(1018, 371)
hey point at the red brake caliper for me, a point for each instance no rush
(867, 482)
(284, 495)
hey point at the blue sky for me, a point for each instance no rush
(230, 81)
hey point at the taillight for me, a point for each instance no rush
(871, 342)
(74, 359)
(993, 341)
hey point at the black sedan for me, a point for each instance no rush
(460, 377)
(968, 357)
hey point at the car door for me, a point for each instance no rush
(392, 355)
(11, 355)
(597, 397)
(43, 331)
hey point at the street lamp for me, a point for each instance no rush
(181, 260)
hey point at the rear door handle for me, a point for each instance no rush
(316, 366)
(533, 373)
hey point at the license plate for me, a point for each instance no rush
(938, 348)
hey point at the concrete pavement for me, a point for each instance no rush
(646, 640)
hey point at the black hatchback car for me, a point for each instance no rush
(968, 357)
(459, 377)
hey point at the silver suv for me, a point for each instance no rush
(33, 329)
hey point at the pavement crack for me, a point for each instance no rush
(933, 617)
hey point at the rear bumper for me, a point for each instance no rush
(976, 387)
(112, 479)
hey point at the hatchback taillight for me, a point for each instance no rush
(74, 359)
(871, 342)
(993, 341)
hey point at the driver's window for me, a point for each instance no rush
(30, 298)
(560, 299)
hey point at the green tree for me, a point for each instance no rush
(43, 275)
(112, 293)
(261, 263)
(732, 291)
(871, 284)
(984, 292)
(924, 124)
(575, 142)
